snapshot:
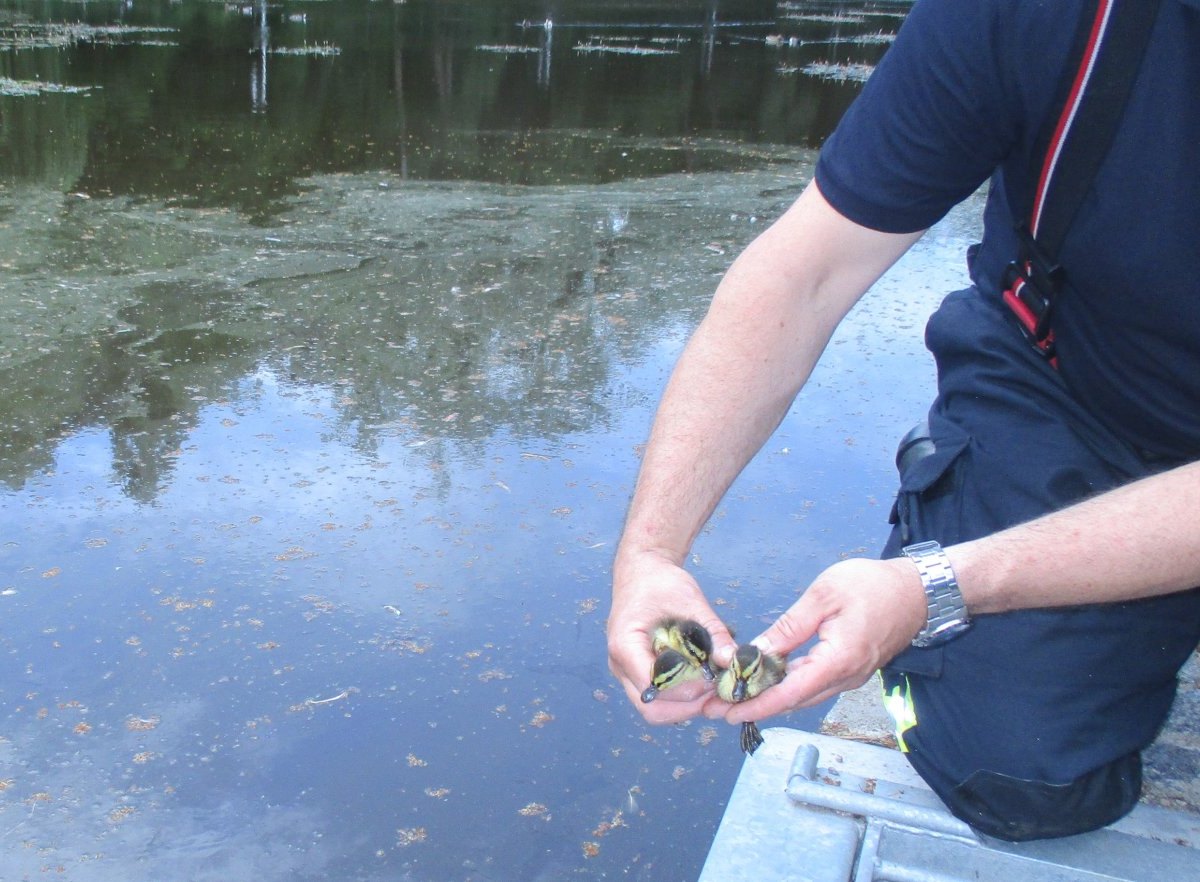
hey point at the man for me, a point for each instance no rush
(1064, 494)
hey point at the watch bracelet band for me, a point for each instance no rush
(945, 609)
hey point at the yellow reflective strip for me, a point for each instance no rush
(900, 708)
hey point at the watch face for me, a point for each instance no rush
(943, 633)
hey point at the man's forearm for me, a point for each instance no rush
(768, 323)
(1140, 540)
(729, 390)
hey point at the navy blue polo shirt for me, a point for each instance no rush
(960, 98)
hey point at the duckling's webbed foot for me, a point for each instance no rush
(751, 738)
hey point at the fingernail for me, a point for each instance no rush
(763, 642)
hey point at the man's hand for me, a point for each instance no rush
(863, 613)
(647, 588)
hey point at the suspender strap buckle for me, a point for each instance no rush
(1031, 285)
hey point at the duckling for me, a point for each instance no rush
(751, 672)
(687, 637)
(670, 669)
(683, 648)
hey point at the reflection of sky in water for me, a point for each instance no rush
(280, 568)
(306, 656)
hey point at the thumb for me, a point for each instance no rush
(791, 630)
(723, 642)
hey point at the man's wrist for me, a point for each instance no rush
(632, 559)
(946, 611)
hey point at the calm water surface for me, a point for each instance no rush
(331, 333)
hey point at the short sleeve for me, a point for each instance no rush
(934, 121)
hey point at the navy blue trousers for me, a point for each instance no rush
(1030, 724)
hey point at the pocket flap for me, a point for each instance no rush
(949, 441)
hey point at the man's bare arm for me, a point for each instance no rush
(771, 318)
(1139, 540)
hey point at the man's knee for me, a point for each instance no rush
(1017, 809)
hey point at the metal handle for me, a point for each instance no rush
(804, 787)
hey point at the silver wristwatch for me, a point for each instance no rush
(947, 613)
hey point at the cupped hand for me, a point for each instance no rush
(863, 612)
(648, 588)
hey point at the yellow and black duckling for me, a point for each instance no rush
(687, 637)
(683, 648)
(751, 672)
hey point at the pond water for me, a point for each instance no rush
(331, 334)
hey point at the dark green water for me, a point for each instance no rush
(206, 103)
(331, 333)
